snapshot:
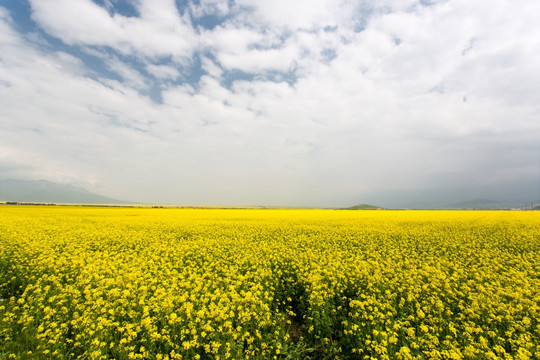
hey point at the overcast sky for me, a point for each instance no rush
(255, 102)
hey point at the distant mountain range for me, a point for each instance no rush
(477, 204)
(485, 204)
(43, 191)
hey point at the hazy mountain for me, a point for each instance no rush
(49, 192)
(483, 204)
(479, 204)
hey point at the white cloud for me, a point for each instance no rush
(302, 14)
(259, 61)
(131, 77)
(231, 40)
(210, 7)
(159, 31)
(48, 122)
(7, 35)
(423, 97)
(250, 51)
(211, 68)
(163, 71)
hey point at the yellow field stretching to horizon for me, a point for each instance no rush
(141, 283)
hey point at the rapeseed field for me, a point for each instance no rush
(142, 283)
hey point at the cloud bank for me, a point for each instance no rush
(311, 103)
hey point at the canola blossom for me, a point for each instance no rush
(143, 283)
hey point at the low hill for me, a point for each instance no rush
(364, 207)
(43, 191)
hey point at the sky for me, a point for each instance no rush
(318, 103)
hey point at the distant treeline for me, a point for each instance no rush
(28, 203)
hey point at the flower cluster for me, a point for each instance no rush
(142, 283)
